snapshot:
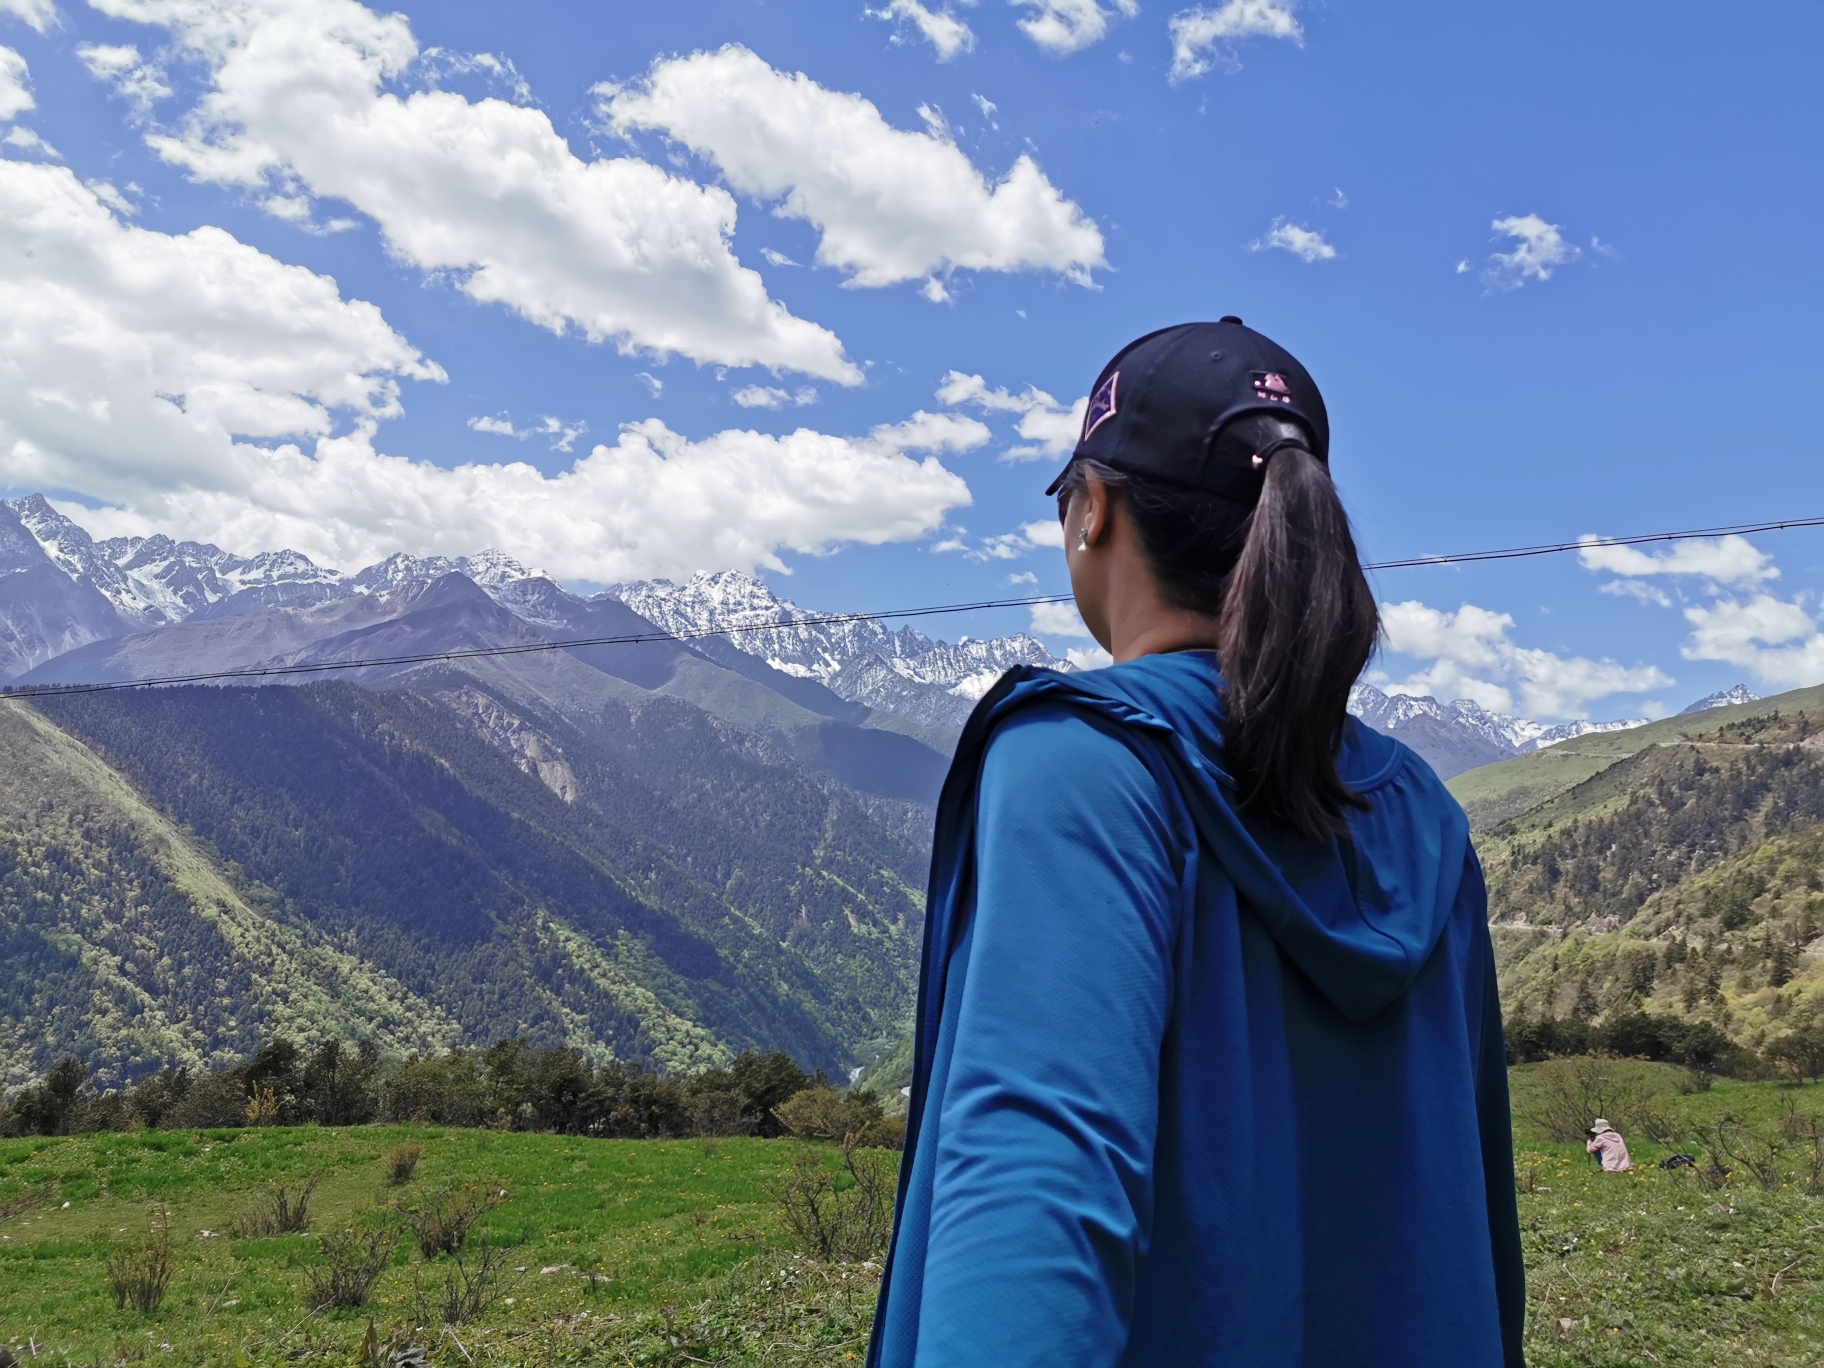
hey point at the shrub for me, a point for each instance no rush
(352, 1263)
(717, 1114)
(24, 1200)
(1562, 1096)
(823, 1113)
(443, 1222)
(469, 1285)
(140, 1273)
(448, 1090)
(402, 1162)
(263, 1106)
(212, 1101)
(1698, 1045)
(284, 1210)
(842, 1215)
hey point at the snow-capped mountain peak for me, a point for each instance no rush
(489, 569)
(861, 660)
(1723, 698)
(155, 580)
(1460, 735)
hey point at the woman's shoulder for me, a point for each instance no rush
(1055, 745)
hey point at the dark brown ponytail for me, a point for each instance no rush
(1296, 623)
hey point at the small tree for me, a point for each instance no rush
(1798, 1055)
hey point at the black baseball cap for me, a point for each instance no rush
(1159, 407)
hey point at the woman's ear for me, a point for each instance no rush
(1093, 517)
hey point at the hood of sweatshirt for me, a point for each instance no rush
(1359, 917)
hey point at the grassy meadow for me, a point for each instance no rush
(613, 1248)
(673, 1252)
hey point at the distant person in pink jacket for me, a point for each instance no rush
(1606, 1141)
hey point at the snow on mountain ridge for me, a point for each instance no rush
(488, 569)
(156, 580)
(1723, 698)
(1518, 735)
(809, 649)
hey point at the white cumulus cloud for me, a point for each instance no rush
(1726, 560)
(40, 14)
(563, 435)
(1057, 620)
(1779, 641)
(772, 397)
(1205, 37)
(161, 375)
(890, 204)
(1539, 249)
(15, 97)
(1473, 655)
(1062, 27)
(26, 140)
(485, 191)
(138, 81)
(1049, 427)
(1304, 243)
(129, 351)
(931, 432)
(940, 28)
(1089, 657)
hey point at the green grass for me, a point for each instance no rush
(1648, 1267)
(665, 1225)
(1637, 1269)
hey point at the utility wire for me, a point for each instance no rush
(838, 619)
(1590, 543)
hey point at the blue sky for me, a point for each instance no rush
(312, 276)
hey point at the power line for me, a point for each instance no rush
(1588, 543)
(837, 619)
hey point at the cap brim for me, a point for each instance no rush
(1052, 488)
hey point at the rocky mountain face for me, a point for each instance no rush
(1724, 698)
(44, 612)
(1461, 735)
(864, 661)
(152, 581)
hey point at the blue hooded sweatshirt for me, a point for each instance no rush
(1188, 1091)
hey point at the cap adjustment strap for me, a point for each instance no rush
(1260, 458)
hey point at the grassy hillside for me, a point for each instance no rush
(1494, 793)
(690, 1261)
(1687, 878)
(183, 872)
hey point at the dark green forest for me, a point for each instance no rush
(677, 899)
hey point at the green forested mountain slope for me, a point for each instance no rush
(639, 879)
(1494, 793)
(125, 942)
(1687, 877)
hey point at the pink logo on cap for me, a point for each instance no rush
(1271, 385)
(1101, 406)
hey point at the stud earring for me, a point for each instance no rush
(1082, 539)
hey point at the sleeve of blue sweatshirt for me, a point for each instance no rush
(1043, 1180)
